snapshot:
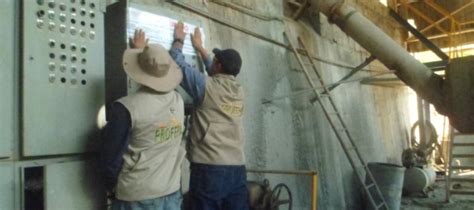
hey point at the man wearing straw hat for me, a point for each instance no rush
(142, 153)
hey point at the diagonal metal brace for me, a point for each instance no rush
(353, 71)
(429, 44)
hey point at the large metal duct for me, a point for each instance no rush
(416, 75)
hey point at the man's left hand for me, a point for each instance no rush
(179, 31)
(139, 40)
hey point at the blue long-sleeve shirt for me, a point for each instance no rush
(194, 81)
(115, 142)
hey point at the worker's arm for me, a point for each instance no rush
(196, 40)
(115, 143)
(208, 64)
(194, 82)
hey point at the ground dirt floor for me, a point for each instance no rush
(435, 199)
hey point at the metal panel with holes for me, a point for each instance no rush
(7, 77)
(73, 185)
(63, 75)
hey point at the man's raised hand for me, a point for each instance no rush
(196, 39)
(139, 39)
(179, 31)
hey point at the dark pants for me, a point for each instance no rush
(217, 187)
(168, 202)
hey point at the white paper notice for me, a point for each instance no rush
(159, 29)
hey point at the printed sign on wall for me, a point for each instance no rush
(159, 29)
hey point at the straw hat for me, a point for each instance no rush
(153, 67)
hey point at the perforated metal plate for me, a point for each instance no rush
(73, 185)
(6, 77)
(63, 75)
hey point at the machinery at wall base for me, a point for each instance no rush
(263, 197)
(420, 176)
(419, 180)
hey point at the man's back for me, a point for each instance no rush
(218, 175)
(151, 163)
(217, 132)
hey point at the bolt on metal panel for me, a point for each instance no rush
(7, 78)
(63, 75)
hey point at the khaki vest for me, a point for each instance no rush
(152, 163)
(217, 132)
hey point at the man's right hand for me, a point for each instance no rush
(196, 39)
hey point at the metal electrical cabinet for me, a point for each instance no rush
(82, 191)
(63, 75)
(7, 77)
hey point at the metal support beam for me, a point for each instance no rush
(441, 10)
(299, 7)
(437, 65)
(435, 24)
(458, 33)
(466, 23)
(422, 121)
(419, 35)
(393, 82)
(424, 17)
(355, 70)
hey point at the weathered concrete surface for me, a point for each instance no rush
(290, 132)
(436, 199)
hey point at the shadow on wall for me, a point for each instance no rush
(34, 188)
(92, 184)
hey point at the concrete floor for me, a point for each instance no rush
(436, 199)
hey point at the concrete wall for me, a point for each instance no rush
(282, 133)
(289, 132)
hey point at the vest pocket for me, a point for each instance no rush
(202, 136)
(130, 162)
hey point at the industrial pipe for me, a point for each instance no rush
(390, 53)
(413, 73)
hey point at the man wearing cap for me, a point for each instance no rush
(142, 151)
(216, 146)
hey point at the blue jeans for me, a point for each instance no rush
(168, 202)
(217, 187)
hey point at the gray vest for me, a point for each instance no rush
(152, 163)
(217, 132)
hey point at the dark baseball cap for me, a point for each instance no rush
(230, 60)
